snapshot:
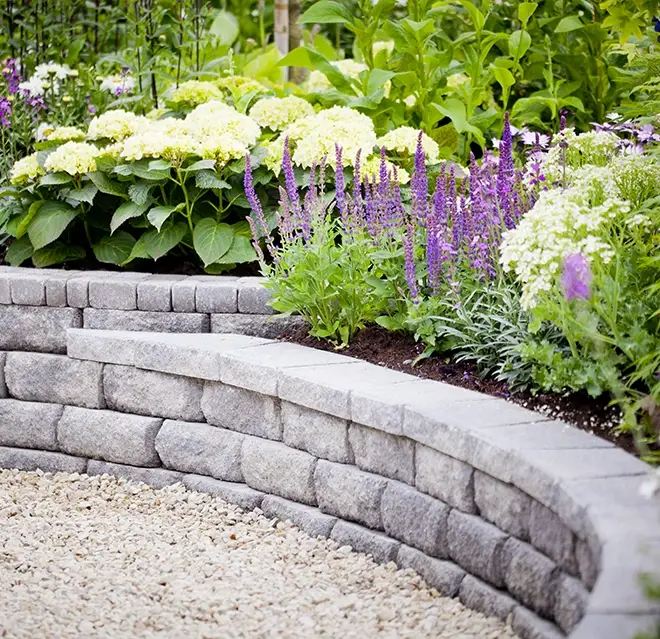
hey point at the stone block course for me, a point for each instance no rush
(200, 449)
(145, 321)
(234, 493)
(271, 326)
(321, 435)
(44, 377)
(503, 505)
(28, 288)
(155, 292)
(5, 289)
(445, 478)
(382, 548)
(416, 519)
(253, 296)
(309, 519)
(273, 467)
(529, 576)
(29, 424)
(110, 436)
(242, 410)
(587, 563)
(382, 453)
(477, 546)
(528, 626)
(3, 386)
(183, 295)
(154, 477)
(115, 291)
(132, 390)
(215, 295)
(445, 576)
(49, 462)
(56, 288)
(571, 599)
(552, 537)
(349, 493)
(36, 328)
(479, 596)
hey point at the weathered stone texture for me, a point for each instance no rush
(381, 547)
(444, 576)
(147, 321)
(154, 477)
(571, 599)
(37, 328)
(49, 462)
(552, 537)
(239, 494)
(479, 596)
(503, 505)
(309, 519)
(28, 424)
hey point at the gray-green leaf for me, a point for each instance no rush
(49, 223)
(159, 214)
(159, 244)
(56, 253)
(53, 179)
(125, 212)
(139, 192)
(208, 179)
(212, 240)
(106, 185)
(114, 249)
(86, 193)
(19, 251)
(241, 251)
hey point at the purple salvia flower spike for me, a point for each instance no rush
(290, 180)
(340, 188)
(576, 277)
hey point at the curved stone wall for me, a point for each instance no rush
(514, 514)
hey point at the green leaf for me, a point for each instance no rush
(159, 244)
(139, 251)
(159, 214)
(454, 109)
(326, 12)
(114, 249)
(159, 165)
(225, 28)
(525, 11)
(478, 18)
(569, 23)
(377, 79)
(49, 223)
(139, 192)
(310, 59)
(57, 253)
(200, 164)
(145, 172)
(519, 43)
(104, 184)
(86, 193)
(19, 251)
(241, 250)
(24, 224)
(212, 240)
(503, 76)
(126, 211)
(54, 179)
(209, 180)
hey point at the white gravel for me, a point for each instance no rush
(100, 557)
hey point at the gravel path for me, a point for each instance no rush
(99, 557)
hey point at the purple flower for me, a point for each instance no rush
(258, 225)
(505, 175)
(419, 185)
(340, 188)
(11, 75)
(576, 277)
(5, 112)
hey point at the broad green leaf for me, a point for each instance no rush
(454, 109)
(326, 12)
(104, 184)
(225, 28)
(241, 250)
(525, 11)
(569, 23)
(139, 192)
(49, 223)
(123, 169)
(159, 165)
(200, 164)
(114, 249)
(209, 180)
(377, 79)
(139, 251)
(19, 251)
(57, 253)
(519, 43)
(26, 220)
(503, 76)
(304, 57)
(159, 214)
(142, 170)
(159, 244)
(54, 179)
(212, 240)
(126, 211)
(86, 193)
(478, 18)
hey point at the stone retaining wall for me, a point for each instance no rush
(514, 514)
(37, 306)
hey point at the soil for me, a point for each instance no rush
(398, 352)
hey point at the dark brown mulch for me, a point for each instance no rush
(398, 351)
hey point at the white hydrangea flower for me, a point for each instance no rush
(318, 83)
(115, 125)
(25, 169)
(404, 141)
(74, 158)
(278, 113)
(456, 80)
(65, 134)
(218, 118)
(196, 92)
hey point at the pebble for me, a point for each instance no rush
(104, 557)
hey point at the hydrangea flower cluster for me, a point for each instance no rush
(25, 169)
(239, 86)
(74, 158)
(278, 113)
(65, 134)
(404, 142)
(195, 92)
(114, 125)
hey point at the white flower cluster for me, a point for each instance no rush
(25, 169)
(65, 134)
(46, 75)
(404, 141)
(74, 158)
(318, 83)
(562, 222)
(196, 92)
(114, 125)
(278, 113)
(118, 84)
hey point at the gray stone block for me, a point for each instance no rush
(382, 548)
(149, 321)
(216, 295)
(77, 291)
(528, 626)
(476, 546)
(503, 505)
(105, 347)
(3, 386)
(309, 519)
(113, 437)
(49, 462)
(154, 477)
(5, 289)
(529, 576)
(445, 478)
(28, 424)
(587, 563)
(37, 328)
(552, 537)
(233, 493)
(56, 288)
(320, 434)
(479, 596)
(445, 576)
(242, 410)
(349, 493)
(183, 296)
(131, 390)
(115, 291)
(271, 326)
(155, 293)
(253, 296)
(275, 468)
(571, 599)
(415, 519)
(201, 449)
(28, 288)
(43, 377)
(382, 453)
